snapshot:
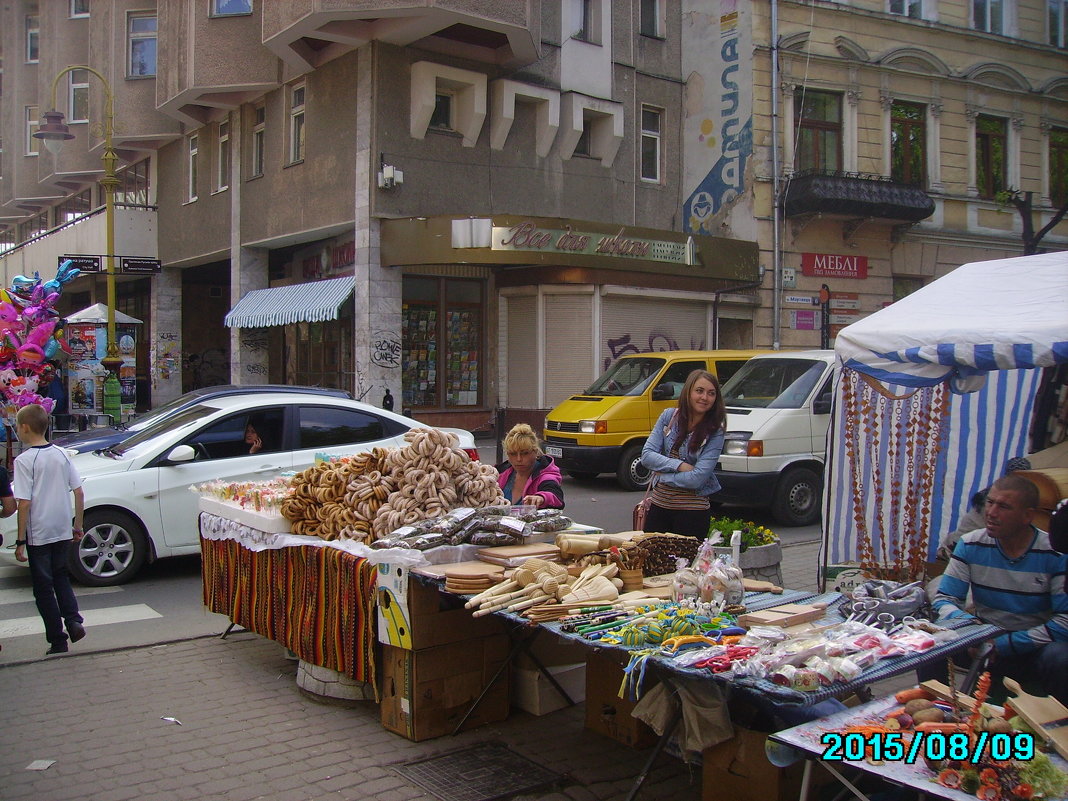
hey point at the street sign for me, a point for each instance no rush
(804, 300)
(130, 264)
(844, 316)
(845, 300)
(87, 264)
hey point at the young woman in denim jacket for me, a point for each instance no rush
(682, 451)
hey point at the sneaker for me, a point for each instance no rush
(60, 648)
(75, 631)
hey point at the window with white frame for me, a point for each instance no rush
(585, 20)
(222, 157)
(650, 143)
(989, 15)
(78, 96)
(259, 133)
(134, 183)
(192, 166)
(141, 45)
(907, 8)
(79, 8)
(33, 146)
(1058, 23)
(649, 18)
(296, 122)
(33, 38)
(230, 8)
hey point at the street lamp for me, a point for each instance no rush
(54, 133)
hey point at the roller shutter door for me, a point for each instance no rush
(639, 325)
(568, 349)
(522, 369)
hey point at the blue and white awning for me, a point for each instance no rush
(300, 303)
(983, 316)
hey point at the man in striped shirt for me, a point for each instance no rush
(1017, 581)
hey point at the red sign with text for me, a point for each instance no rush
(828, 265)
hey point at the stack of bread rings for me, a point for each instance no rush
(339, 499)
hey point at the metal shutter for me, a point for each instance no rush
(522, 359)
(639, 325)
(568, 349)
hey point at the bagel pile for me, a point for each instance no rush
(366, 496)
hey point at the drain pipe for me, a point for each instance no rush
(776, 245)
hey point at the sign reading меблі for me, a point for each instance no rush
(828, 265)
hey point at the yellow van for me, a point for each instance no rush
(603, 429)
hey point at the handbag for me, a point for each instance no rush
(641, 509)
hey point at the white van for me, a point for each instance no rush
(778, 411)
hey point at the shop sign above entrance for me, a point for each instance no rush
(829, 265)
(527, 236)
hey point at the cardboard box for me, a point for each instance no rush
(415, 615)
(606, 712)
(552, 650)
(739, 769)
(534, 693)
(844, 577)
(426, 693)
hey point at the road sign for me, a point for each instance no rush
(87, 264)
(804, 300)
(130, 264)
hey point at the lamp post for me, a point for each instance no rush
(54, 133)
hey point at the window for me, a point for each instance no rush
(905, 286)
(232, 436)
(330, 427)
(78, 96)
(1058, 166)
(582, 147)
(33, 38)
(33, 146)
(228, 8)
(79, 8)
(649, 22)
(8, 239)
(259, 130)
(991, 140)
(907, 8)
(442, 116)
(74, 207)
(222, 157)
(296, 123)
(194, 150)
(818, 123)
(908, 138)
(141, 36)
(584, 19)
(650, 166)
(1058, 23)
(133, 184)
(35, 226)
(988, 15)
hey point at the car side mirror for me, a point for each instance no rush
(182, 453)
(822, 405)
(662, 392)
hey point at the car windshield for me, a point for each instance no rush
(773, 383)
(627, 377)
(164, 426)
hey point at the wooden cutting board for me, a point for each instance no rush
(1045, 714)
(784, 615)
(755, 585)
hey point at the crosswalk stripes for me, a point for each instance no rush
(25, 626)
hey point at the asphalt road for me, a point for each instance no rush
(164, 603)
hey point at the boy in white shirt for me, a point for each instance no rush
(44, 480)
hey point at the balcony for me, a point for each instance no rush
(309, 34)
(855, 195)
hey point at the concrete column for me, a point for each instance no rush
(248, 346)
(377, 324)
(165, 348)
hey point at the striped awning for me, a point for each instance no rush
(300, 303)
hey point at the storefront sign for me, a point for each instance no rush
(828, 265)
(526, 236)
(845, 300)
(804, 320)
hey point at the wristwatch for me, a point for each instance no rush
(19, 542)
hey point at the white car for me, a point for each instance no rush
(138, 506)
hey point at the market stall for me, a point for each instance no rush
(936, 393)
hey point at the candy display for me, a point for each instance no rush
(260, 496)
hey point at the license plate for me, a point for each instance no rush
(554, 452)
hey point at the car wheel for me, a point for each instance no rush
(112, 550)
(798, 497)
(631, 473)
(582, 475)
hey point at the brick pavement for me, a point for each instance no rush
(247, 732)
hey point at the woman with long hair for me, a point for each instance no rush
(682, 451)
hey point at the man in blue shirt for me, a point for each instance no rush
(1017, 581)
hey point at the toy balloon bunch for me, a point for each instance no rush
(28, 327)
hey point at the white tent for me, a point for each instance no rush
(936, 393)
(98, 313)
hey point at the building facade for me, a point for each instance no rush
(471, 207)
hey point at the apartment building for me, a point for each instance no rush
(470, 205)
(886, 130)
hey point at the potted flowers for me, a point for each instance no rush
(761, 551)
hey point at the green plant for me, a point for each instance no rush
(752, 534)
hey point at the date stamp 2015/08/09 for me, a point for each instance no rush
(935, 746)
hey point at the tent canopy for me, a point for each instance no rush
(98, 313)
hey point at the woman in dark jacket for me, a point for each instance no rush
(529, 476)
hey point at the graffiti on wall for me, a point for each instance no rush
(206, 368)
(658, 341)
(165, 355)
(385, 349)
(718, 128)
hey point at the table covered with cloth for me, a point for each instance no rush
(317, 601)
